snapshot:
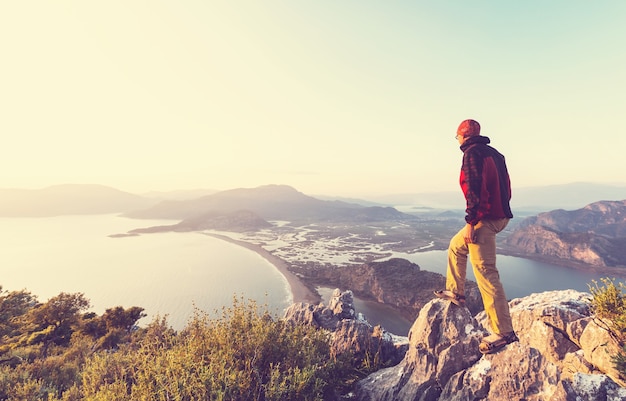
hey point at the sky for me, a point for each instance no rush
(344, 98)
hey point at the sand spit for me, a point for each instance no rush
(299, 291)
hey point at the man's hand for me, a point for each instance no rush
(470, 235)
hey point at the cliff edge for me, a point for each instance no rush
(564, 353)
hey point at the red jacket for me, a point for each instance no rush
(484, 181)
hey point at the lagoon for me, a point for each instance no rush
(520, 277)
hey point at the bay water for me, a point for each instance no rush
(175, 274)
(167, 274)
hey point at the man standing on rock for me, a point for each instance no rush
(487, 188)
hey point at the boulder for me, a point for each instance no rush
(443, 341)
(350, 332)
(563, 354)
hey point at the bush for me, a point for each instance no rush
(609, 305)
(53, 352)
(244, 355)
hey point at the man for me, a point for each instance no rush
(487, 189)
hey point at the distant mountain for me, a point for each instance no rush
(273, 201)
(594, 235)
(270, 202)
(536, 199)
(68, 199)
(357, 201)
(182, 194)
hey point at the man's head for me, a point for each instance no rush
(467, 129)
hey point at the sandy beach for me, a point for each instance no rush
(299, 292)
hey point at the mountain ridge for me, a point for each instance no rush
(594, 235)
(270, 202)
(98, 199)
(68, 199)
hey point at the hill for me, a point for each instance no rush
(237, 221)
(594, 235)
(182, 194)
(68, 199)
(270, 202)
(99, 199)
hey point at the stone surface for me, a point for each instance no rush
(443, 341)
(350, 331)
(563, 354)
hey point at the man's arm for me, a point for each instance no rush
(472, 175)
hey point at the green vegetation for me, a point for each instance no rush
(56, 351)
(609, 305)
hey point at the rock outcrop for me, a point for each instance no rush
(350, 331)
(563, 354)
(594, 235)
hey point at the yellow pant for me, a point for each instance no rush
(482, 255)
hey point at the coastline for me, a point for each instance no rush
(299, 291)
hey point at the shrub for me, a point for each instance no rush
(609, 305)
(55, 353)
(244, 355)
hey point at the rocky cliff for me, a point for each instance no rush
(350, 330)
(594, 235)
(396, 282)
(563, 352)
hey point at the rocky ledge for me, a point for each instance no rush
(564, 353)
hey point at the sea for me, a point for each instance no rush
(176, 275)
(173, 275)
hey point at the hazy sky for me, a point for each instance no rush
(331, 97)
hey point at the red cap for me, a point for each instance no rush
(468, 128)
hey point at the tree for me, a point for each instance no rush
(120, 318)
(114, 326)
(54, 321)
(609, 305)
(13, 305)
